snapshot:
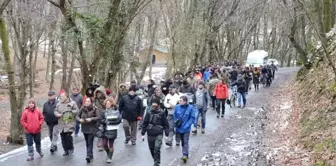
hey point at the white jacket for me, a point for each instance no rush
(171, 99)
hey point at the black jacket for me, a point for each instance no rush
(241, 85)
(130, 107)
(155, 123)
(48, 112)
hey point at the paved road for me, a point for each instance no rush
(128, 155)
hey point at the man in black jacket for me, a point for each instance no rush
(51, 120)
(130, 107)
(155, 124)
(241, 90)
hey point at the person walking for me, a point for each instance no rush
(155, 124)
(130, 107)
(170, 102)
(78, 98)
(66, 111)
(241, 91)
(202, 100)
(51, 120)
(221, 92)
(110, 119)
(184, 117)
(32, 120)
(98, 102)
(88, 116)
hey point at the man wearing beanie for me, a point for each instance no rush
(130, 107)
(155, 124)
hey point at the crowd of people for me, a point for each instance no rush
(174, 107)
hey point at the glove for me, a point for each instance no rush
(139, 118)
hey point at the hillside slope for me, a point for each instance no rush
(314, 100)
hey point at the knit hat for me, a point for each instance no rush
(132, 88)
(156, 100)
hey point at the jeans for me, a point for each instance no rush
(213, 101)
(220, 102)
(89, 144)
(170, 119)
(130, 128)
(185, 143)
(77, 127)
(67, 141)
(155, 143)
(201, 112)
(241, 95)
(31, 139)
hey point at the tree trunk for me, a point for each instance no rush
(15, 127)
(53, 63)
(327, 15)
(72, 65)
(48, 62)
(31, 79)
(64, 48)
(35, 62)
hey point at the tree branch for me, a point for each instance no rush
(4, 5)
(54, 3)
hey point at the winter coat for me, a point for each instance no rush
(68, 110)
(198, 74)
(151, 89)
(78, 98)
(221, 91)
(99, 102)
(171, 99)
(48, 112)
(165, 89)
(109, 134)
(187, 89)
(241, 85)
(203, 95)
(155, 123)
(32, 120)
(207, 75)
(130, 107)
(187, 115)
(92, 113)
(212, 85)
(256, 77)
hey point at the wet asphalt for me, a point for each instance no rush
(139, 155)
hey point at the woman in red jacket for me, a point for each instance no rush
(221, 92)
(32, 120)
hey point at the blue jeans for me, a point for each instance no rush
(77, 127)
(201, 112)
(241, 96)
(185, 143)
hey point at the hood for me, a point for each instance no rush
(120, 85)
(100, 89)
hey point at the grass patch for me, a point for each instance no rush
(329, 144)
(320, 163)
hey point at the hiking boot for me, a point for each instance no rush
(222, 116)
(30, 158)
(203, 131)
(194, 131)
(126, 141)
(41, 154)
(70, 152)
(88, 159)
(169, 144)
(66, 153)
(217, 115)
(184, 159)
